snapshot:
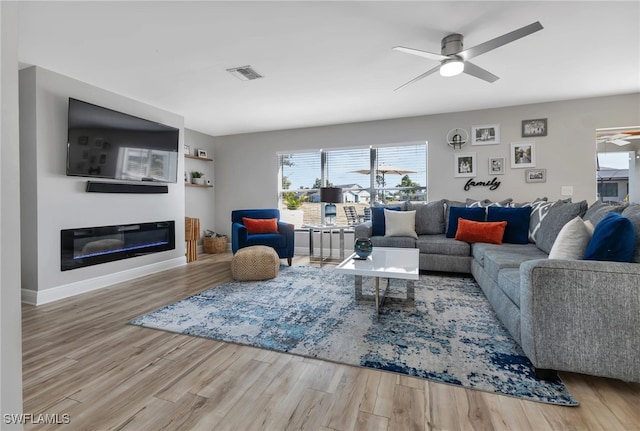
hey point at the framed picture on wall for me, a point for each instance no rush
(487, 134)
(535, 176)
(496, 165)
(523, 155)
(202, 153)
(464, 165)
(537, 127)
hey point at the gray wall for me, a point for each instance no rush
(52, 201)
(199, 202)
(10, 318)
(247, 178)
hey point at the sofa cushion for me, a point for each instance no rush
(598, 210)
(497, 260)
(475, 214)
(378, 220)
(479, 249)
(447, 209)
(274, 240)
(429, 217)
(613, 239)
(440, 244)
(632, 212)
(400, 223)
(517, 230)
(393, 241)
(470, 203)
(559, 215)
(539, 210)
(509, 283)
(572, 241)
(480, 231)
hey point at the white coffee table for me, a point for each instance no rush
(384, 262)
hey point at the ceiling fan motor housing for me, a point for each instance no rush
(452, 44)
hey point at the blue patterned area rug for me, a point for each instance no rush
(450, 334)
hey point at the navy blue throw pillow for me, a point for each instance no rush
(378, 224)
(475, 214)
(614, 239)
(517, 230)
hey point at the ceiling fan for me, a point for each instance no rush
(454, 60)
(619, 139)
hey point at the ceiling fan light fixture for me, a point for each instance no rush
(452, 67)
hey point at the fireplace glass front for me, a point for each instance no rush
(94, 245)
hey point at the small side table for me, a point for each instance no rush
(322, 228)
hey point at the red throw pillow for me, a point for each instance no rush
(260, 225)
(480, 231)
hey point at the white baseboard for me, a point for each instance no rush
(72, 289)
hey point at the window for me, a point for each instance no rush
(399, 174)
(608, 190)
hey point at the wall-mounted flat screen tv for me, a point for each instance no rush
(104, 143)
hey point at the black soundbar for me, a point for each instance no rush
(100, 187)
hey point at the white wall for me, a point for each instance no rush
(10, 318)
(199, 202)
(247, 169)
(52, 201)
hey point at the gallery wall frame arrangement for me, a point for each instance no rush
(536, 127)
(496, 165)
(465, 165)
(523, 155)
(535, 176)
(486, 134)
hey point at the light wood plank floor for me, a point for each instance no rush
(81, 358)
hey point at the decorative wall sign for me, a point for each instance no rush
(464, 165)
(535, 176)
(523, 155)
(496, 165)
(537, 127)
(457, 138)
(487, 134)
(493, 184)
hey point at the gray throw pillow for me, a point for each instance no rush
(488, 203)
(558, 215)
(539, 210)
(632, 212)
(429, 217)
(598, 210)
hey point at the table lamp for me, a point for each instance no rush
(330, 196)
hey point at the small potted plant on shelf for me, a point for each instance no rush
(197, 177)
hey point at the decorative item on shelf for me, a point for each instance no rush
(208, 182)
(214, 242)
(456, 138)
(197, 178)
(202, 153)
(187, 150)
(330, 196)
(363, 247)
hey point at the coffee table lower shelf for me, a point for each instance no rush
(384, 262)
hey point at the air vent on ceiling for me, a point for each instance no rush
(244, 73)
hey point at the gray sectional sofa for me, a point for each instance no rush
(579, 316)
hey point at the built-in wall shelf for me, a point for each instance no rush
(198, 185)
(204, 159)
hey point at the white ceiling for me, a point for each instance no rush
(329, 62)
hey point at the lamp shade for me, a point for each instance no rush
(330, 195)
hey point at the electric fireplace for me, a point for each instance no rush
(82, 247)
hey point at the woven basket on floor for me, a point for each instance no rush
(215, 244)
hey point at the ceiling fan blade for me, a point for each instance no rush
(478, 72)
(489, 45)
(419, 77)
(620, 142)
(425, 54)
